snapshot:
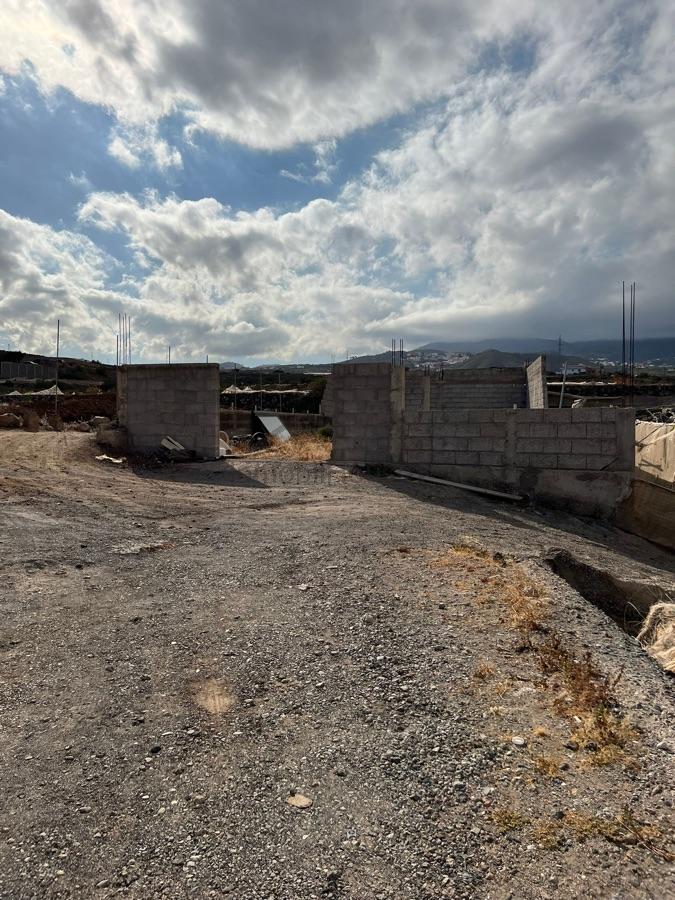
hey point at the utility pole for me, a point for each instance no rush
(56, 385)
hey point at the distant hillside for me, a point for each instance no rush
(496, 359)
(646, 349)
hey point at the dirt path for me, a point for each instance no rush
(185, 650)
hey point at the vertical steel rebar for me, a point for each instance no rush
(56, 384)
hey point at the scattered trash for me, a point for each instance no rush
(518, 741)
(274, 426)
(111, 459)
(170, 444)
(299, 801)
(225, 449)
(665, 415)
(303, 587)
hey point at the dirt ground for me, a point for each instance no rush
(272, 679)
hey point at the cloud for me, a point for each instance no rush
(516, 205)
(323, 169)
(264, 74)
(134, 147)
(47, 275)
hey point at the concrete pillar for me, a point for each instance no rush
(397, 407)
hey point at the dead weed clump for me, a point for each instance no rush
(484, 671)
(507, 819)
(624, 829)
(304, 447)
(588, 699)
(548, 766)
(496, 579)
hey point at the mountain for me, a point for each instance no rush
(496, 359)
(654, 350)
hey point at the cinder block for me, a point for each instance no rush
(544, 460)
(417, 457)
(586, 446)
(529, 445)
(480, 443)
(467, 431)
(491, 459)
(572, 431)
(481, 415)
(595, 430)
(492, 429)
(418, 443)
(609, 414)
(571, 461)
(557, 445)
(609, 448)
(542, 431)
(444, 457)
(450, 443)
(599, 461)
(467, 458)
(587, 414)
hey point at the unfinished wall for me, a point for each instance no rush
(581, 458)
(363, 395)
(537, 391)
(180, 400)
(465, 389)
(650, 509)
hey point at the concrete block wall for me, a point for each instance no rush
(579, 458)
(180, 400)
(590, 439)
(362, 413)
(466, 389)
(537, 390)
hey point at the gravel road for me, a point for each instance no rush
(267, 679)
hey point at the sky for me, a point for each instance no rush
(283, 182)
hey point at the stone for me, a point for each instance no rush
(518, 741)
(299, 801)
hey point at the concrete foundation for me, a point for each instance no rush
(180, 400)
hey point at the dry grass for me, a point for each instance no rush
(507, 819)
(625, 829)
(548, 834)
(305, 447)
(497, 579)
(588, 699)
(484, 670)
(581, 691)
(502, 688)
(548, 766)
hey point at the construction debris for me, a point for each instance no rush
(9, 420)
(657, 635)
(111, 459)
(457, 484)
(170, 444)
